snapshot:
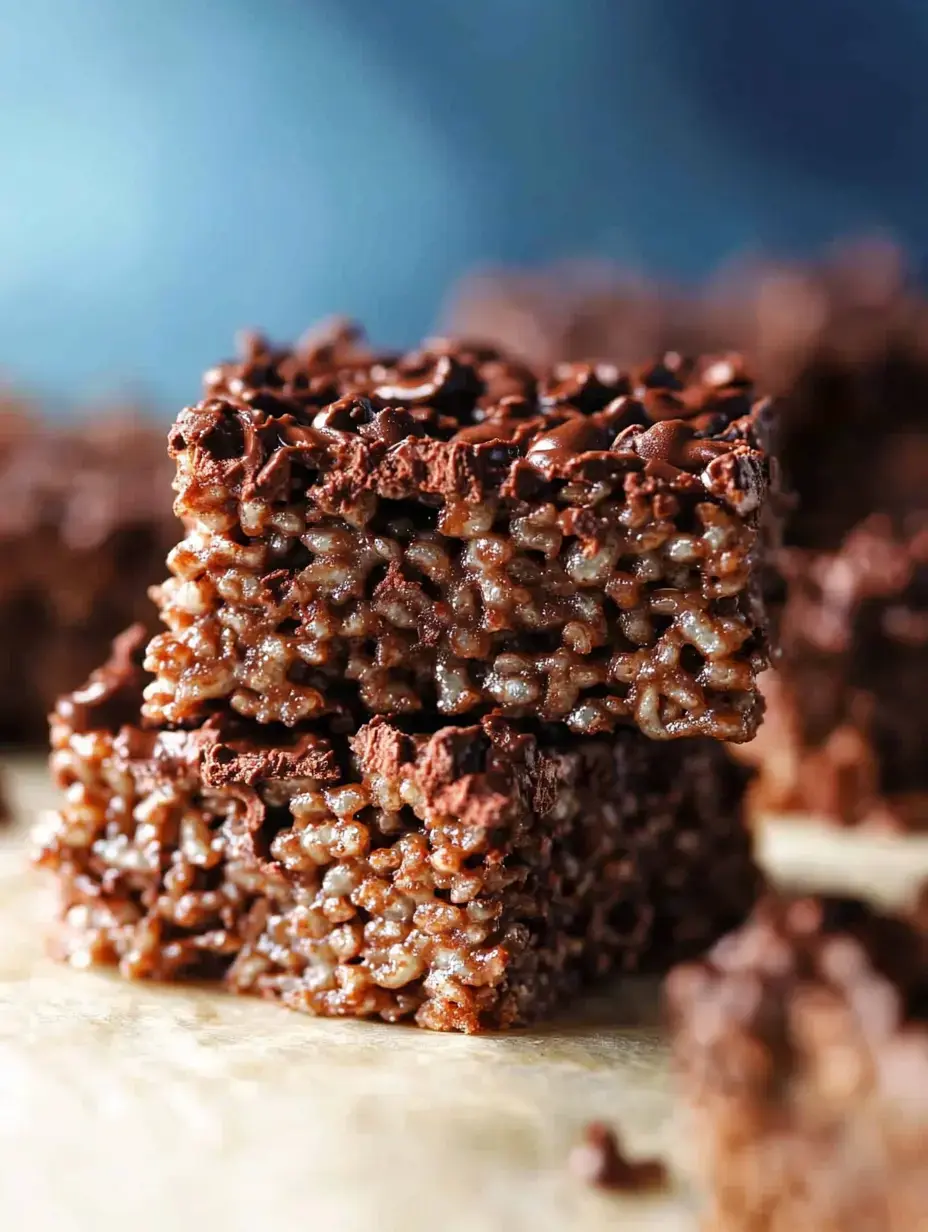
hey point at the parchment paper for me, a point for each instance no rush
(137, 1107)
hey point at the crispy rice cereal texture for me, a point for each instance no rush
(467, 878)
(452, 531)
(802, 1045)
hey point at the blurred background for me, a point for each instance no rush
(175, 170)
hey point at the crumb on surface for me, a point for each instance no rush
(599, 1160)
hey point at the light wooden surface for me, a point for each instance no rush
(139, 1107)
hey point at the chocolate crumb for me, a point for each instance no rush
(599, 1160)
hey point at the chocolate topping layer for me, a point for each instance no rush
(456, 420)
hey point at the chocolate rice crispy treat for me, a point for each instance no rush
(467, 878)
(802, 1046)
(85, 523)
(847, 717)
(452, 531)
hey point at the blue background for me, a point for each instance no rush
(172, 171)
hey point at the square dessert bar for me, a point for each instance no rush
(802, 1044)
(451, 531)
(466, 878)
(847, 711)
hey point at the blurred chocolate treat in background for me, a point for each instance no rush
(842, 344)
(847, 710)
(845, 347)
(801, 1047)
(85, 523)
